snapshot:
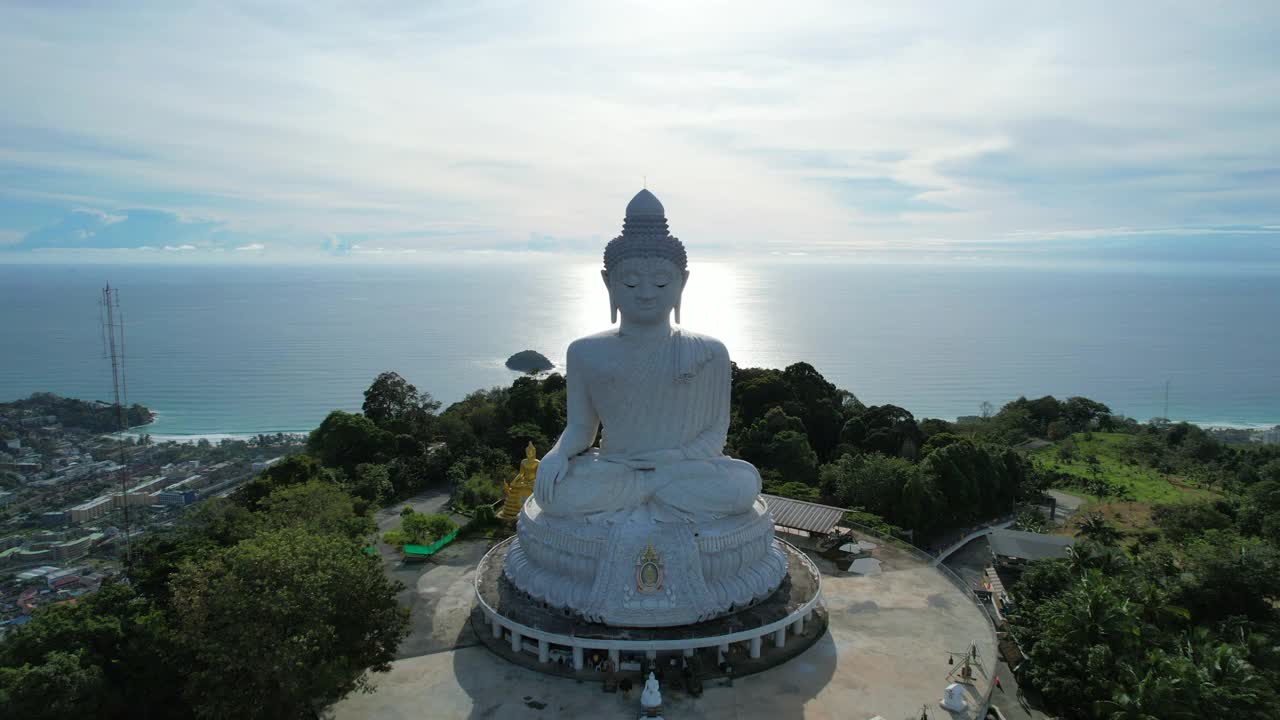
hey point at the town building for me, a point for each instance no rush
(91, 510)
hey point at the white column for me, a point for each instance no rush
(497, 627)
(517, 641)
(721, 652)
(615, 657)
(780, 636)
(688, 652)
(798, 626)
(577, 658)
(651, 654)
(755, 646)
(544, 651)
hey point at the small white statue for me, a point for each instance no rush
(650, 698)
(953, 698)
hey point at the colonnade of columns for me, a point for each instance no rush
(754, 644)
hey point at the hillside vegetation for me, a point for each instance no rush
(1178, 614)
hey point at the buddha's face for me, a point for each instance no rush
(645, 290)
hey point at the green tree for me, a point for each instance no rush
(1094, 526)
(111, 655)
(60, 686)
(886, 429)
(345, 440)
(779, 442)
(371, 483)
(1042, 580)
(394, 404)
(1159, 693)
(318, 506)
(922, 504)
(940, 440)
(755, 392)
(1079, 635)
(818, 403)
(1225, 574)
(1180, 521)
(293, 470)
(1080, 413)
(426, 528)
(795, 491)
(315, 611)
(872, 482)
(978, 481)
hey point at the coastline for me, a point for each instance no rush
(215, 437)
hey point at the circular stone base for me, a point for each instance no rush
(531, 633)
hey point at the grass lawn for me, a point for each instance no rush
(1148, 486)
(1111, 449)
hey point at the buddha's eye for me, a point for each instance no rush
(630, 281)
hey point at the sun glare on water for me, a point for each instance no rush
(718, 301)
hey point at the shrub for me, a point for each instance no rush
(479, 489)
(421, 529)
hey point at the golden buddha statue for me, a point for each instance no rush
(520, 487)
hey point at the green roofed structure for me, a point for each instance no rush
(425, 551)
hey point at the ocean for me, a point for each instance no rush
(230, 350)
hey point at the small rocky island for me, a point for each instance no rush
(529, 361)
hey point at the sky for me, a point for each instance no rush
(204, 131)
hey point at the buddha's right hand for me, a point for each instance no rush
(552, 468)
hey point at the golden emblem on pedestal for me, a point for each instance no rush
(520, 487)
(649, 571)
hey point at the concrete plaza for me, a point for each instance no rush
(886, 654)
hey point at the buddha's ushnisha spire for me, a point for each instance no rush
(645, 235)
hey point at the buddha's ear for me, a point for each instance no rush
(613, 306)
(685, 281)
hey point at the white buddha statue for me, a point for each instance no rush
(661, 392)
(657, 525)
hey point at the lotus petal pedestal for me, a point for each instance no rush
(635, 571)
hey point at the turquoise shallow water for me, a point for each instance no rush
(265, 349)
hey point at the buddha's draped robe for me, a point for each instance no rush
(669, 400)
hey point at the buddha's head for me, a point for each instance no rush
(530, 452)
(645, 268)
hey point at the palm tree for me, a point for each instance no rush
(1227, 684)
(1155, 608)
(1097, 615)
(1155, 695)
(1095, 527)
(1087, 556)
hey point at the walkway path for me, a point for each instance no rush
(974, 535)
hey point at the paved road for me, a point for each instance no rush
(1068, 505)
(437, 591)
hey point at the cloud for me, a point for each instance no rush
(105, 218)
(818, 126)
(88, 228)
(252, 247)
